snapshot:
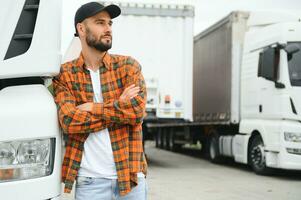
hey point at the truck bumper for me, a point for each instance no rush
(33, 189)
(288, 155)
(283, 160)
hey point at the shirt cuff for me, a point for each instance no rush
(97, 109)
(123, 104)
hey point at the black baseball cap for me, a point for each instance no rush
(92, 8)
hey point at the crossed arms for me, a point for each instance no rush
(89, 117)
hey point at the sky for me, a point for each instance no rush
(207, 12)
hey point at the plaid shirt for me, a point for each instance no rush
(123, 119)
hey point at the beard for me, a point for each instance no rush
(97, 44)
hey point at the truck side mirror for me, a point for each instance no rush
(291, 49)
(269, 63)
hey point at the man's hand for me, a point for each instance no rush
(129, 93)
(85, 107)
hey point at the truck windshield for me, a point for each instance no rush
(294, 65)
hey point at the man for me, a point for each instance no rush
(101, 104)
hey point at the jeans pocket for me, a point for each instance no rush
(81, 181)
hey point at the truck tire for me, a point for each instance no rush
(213, 152)
(159, 138)
(257, 156)
(171, 142)
(159, 135)
(165, 139)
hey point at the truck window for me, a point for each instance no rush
(294, 66)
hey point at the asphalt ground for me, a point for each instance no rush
(187, 175)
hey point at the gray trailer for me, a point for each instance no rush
(217, 54)
(216, 70)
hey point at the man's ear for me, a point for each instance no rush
(80, 28)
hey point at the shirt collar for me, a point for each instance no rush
(107, 61)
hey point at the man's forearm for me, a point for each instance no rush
(72, 119)
(77, 121)
(121, 112)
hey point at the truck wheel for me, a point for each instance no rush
(165, 139)
(214, 153)
(167, 136)
(257, 156)
(171, 142)
(160, 139)
(159, 142)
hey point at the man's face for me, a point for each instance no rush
(99, 31)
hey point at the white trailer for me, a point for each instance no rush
(160, 38)
(30, 142)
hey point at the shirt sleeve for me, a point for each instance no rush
(72, 119)
(126, 111)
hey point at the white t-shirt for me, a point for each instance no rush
(98, 160)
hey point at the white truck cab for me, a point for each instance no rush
(271, 90)
(30, 141)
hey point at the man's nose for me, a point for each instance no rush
(108, 28)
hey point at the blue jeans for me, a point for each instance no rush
(88, 188)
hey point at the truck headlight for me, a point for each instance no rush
(292, 137)
(7, 154)
(26, 159)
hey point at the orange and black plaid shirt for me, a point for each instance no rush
(123, 119)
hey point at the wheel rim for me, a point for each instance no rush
(257, 156)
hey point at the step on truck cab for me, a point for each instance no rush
(30, 141)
